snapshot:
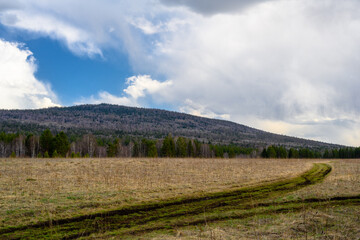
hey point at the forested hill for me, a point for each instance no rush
(106, 120)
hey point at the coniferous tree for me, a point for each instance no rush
(190, 149)
(335, 153)
(181, 147)
(197, 148)
(46, 154)
(55, 154)
(46, 142)
(271, 153)
(218, 151)
(61, 144)
(264, 153)
(231, 152)
(281, 152)
(293, 153)
(111, 149)
(168, 148)
(151, 149)
(357, 152)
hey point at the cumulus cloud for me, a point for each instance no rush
(287, 66)
(139, 88)
(19, 88)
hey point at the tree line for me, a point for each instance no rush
(281, 152)
(48, 145)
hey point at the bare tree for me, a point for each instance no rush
(88, 145)
(19, 143)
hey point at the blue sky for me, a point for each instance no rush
(72, 76)
(285, 66)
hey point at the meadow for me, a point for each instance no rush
(337, 217)
(50, 190)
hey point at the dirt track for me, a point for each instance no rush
(180, 212)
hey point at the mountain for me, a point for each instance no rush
(106, 120)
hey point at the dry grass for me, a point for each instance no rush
(343, 180)
(332, 222)
(35, 190)
(340, 223)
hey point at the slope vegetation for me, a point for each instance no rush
(112, 120)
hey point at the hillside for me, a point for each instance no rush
(112, 120)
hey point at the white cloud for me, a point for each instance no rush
(281, 65)
(141, 85)
(19, 88)
(139, 88)
(84, 26)
(105, 97)
(77, 40)
(150, 28)
(214, 6)
(282, 61)
(146, 26)
(201, 111)
(5, 4)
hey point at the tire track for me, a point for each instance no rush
(165, 214)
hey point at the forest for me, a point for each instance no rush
(60, 145)
(282, 152)
(49, 145)
(109, 122)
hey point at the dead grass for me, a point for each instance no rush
(332, 222)
(343, 180)
(338, 223)
(35, 190)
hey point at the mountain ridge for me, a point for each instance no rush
(107, 120)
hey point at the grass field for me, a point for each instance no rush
(304, 220)
(46, 190)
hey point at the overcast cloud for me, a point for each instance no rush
(214, 6)
(5, 4)
(285, 66)
(292, 63)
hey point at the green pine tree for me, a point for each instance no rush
(190, 149)
(55, 154)
(168, 147)
(151, 149)
(61, 144)
(46, 142)
(181, 147)
(271, 152)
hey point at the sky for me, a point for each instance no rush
(285, 66)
